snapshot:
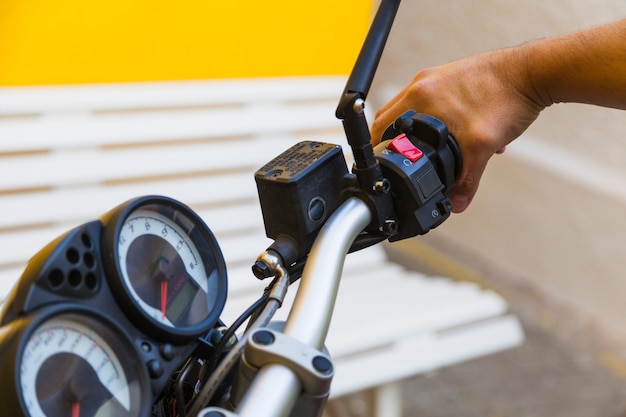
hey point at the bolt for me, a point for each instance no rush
(218, 334)
(322, 365)
(263, 337)
(261, 270)
(358, 106)
(382, 186)
(391, 227)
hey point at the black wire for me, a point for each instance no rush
(251, 313)
(295, 273)
(365, 241)
(256, 306)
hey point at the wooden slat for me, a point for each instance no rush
(75, 168)
(25, 209)
(34, 100)
(368, 259)
(228, 223)
(68, 131)
(211, 178)
(393, 295)
(423, 353)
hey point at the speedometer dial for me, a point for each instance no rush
(168, 266)
(73, 366)
(163, 269)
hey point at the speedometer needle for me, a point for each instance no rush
(163, 298)
(76, 409)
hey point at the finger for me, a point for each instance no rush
(466, 186)
(388, 113)
(397, 98)
(381, 121)
(386, 116)
(462, 194)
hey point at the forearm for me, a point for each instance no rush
(588, 66)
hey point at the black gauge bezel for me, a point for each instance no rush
(202, 238)
(126, 353)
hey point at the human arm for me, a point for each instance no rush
(488, 100)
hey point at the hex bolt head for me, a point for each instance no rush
(263, 337)
(322, 365)
(382, 186)
(261, 270)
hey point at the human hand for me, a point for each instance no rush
(485, 101)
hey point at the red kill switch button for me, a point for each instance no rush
(404, 147)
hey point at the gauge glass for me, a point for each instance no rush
(165, 271)
(69, 370)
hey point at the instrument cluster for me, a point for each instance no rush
(106, 313)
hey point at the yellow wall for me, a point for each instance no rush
(87, 41)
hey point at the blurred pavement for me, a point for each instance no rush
(567, 367)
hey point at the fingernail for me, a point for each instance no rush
(459, 203)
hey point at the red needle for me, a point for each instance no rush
(163, 298)
(75, 409)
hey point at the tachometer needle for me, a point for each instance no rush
(163, 298)
(76, 409)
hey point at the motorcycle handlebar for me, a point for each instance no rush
(276, 388)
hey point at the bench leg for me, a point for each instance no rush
(388, 400)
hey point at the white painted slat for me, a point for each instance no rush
(75, 168)
(423, 353)
(239, 253)
(243, 249)
(391, 325)
(239, 220)
(29, 100)
(242, 281)
(409, 306)
(60, 204)
(71, 130)
(397, 302)
(19, 246)
(25, 208)
(393, 343)
(86, 167)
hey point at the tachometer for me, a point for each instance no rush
(167, 266)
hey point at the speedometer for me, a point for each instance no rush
(68, 370)
(71, 362)
(166, 266)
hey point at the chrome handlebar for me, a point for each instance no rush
(277, 386)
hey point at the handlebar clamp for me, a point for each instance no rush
(313, 368)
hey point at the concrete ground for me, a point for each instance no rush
(567, 367)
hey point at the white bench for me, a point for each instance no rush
(68, 154)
